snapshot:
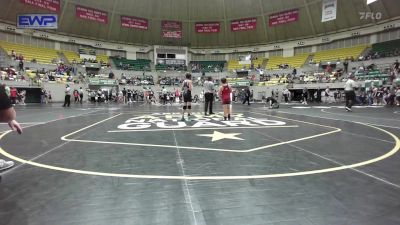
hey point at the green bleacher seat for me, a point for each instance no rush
(387, 47)
(136, 65)
(210, 66)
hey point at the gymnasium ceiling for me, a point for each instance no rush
(191, 11)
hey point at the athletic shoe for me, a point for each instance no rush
(183, 119)
(348, 109)
(5, 164)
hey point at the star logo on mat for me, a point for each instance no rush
(216, 136)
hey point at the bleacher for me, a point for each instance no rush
(102, 58)
(161, 67)
(42, 55)
(71, 55)
(62, 79)
(293, 62)
(258, 62)
(210, 66)
(386, 48)
(341, 53)
(136, 65)
(235, 65)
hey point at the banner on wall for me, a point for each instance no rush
(243, 24)
(91, 14)
(134, 22)
(52, 5)
(171, 29)
(207, 27)
(283, 17)
(329, 10)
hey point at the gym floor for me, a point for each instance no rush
(139, 164)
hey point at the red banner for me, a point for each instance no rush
(91, 14)
(244, 24)
(171, 29)
(52, 5)
(208, 27)
(283, 17)
(134, 22)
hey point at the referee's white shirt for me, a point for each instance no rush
(350, 85)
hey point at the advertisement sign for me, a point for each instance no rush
(243, 24)
(37, 21)
(171, 29)
(171, 61)
(97, 81)
(52, 5)
(91, 14)
(134, 22)
(207, 27)
(283, 17)
(329, 10)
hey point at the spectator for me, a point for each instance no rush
(294, 72)
(286, 95)
(346, 66)
(13, 54)
(397, 94)
(164, 95)
(21, 65)
(13, 95)
(305, 96)
(327, 95)
(49, 96)
(43, 96)
(22, 95)
(396, 65)
(80, 95)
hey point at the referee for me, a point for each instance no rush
(209, 90)
(349, 92)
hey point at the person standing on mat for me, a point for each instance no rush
(187, 87)
(7, 115)
(67, 100)
(349, 92)
(225, 92)
(209, 89)
(80, 95)
(247, 94)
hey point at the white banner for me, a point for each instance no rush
(245, 62)
(329, 9)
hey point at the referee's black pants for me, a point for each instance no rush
(350, 98)
(67, 100)
(247, 99)
(208, 103)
